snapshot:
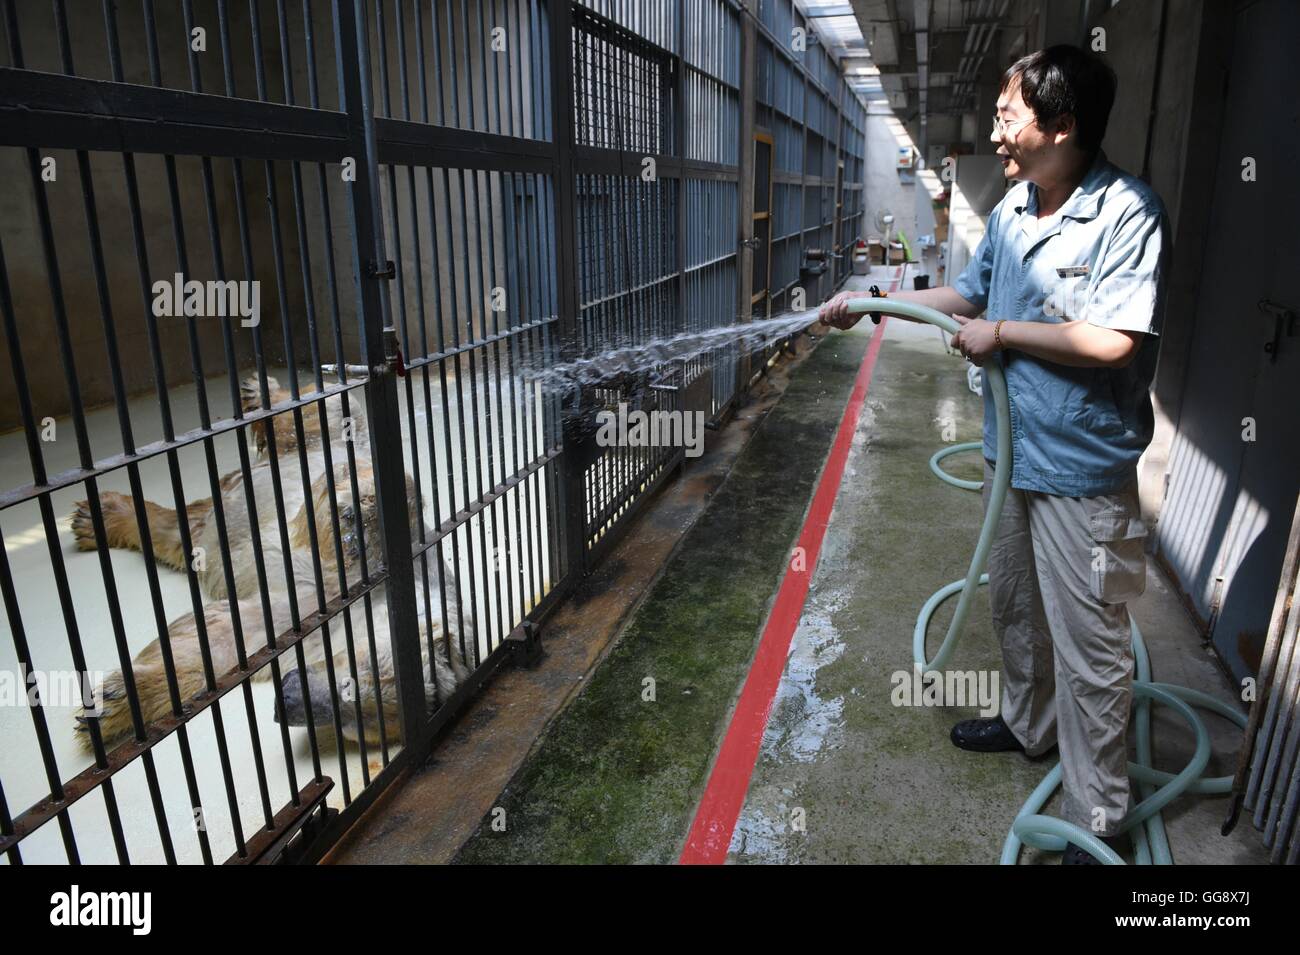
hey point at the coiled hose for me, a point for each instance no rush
(1155, 789)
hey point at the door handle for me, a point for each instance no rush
(1284, 319)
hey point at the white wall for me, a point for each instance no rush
(885, 190)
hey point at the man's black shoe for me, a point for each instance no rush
(1077, 856)
(985, 736)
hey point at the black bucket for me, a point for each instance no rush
(920, 282)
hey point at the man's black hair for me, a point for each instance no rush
(1065, 79)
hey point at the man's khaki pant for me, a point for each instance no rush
(1060, 573)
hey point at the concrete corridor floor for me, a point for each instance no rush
(843, 775)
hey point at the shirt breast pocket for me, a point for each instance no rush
(1066, 296)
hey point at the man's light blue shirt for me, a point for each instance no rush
(1075, 432)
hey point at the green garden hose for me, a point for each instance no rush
(947, 478)
(1155, 789)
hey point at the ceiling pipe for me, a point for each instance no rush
(970, 45)
(921, 32)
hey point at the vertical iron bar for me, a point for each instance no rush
(573, 501)
(381, 392)
(745, 198)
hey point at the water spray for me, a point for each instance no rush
(681, 347)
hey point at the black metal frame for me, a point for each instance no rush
(473, 173)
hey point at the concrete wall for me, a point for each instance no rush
(467, 247)
(30, 278)
(886, 190)
(1132, 37)
(978, 186)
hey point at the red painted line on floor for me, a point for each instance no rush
(724, 794)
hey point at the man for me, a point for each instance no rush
(1070, 274)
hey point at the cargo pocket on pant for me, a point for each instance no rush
(1119, 565)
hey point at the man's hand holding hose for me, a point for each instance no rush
(835, 312)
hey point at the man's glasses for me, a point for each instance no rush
(999, 127)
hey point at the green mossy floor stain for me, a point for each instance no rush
(616, 778)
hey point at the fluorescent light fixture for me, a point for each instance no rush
(836, 26)
(825, 8)
(843, 29)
